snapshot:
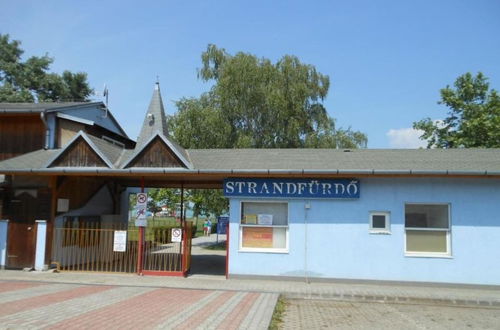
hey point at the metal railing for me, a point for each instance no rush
(92, 250)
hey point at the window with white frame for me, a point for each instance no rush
(427, 228)
(380, 222)
(264, 227)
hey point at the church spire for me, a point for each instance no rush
(155, 120)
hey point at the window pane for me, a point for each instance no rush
(426, 216)
(378, 221)
(426, 241)
(278, 211)
(264, 237)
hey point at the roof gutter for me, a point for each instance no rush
(243, 172)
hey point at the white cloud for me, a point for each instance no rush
(405, 138)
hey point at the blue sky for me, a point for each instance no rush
(386, 60)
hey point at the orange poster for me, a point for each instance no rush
(257, 237)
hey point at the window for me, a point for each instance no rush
(264, 227)
(380, 223)
(427, 228)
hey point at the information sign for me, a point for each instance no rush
(176, 235)
(141, 210)
(120, 241)
(222, 223)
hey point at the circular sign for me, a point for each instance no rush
(176, 234)
(142, 198)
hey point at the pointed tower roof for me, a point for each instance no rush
(154, 146)
(155, 120)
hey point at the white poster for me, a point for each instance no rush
(176, 235)
(120, 241)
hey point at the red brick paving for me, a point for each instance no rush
(206, 311)
(47, 299)
(143, 312)
(240, 311)
(11, 286)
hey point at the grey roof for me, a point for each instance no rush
(23, 108)
(349, 159)
(474, 162)
(33, 160)
(109, 150)
(40, 107)
(155, 120)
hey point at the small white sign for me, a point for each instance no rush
(176, 235)
(141, 216)
(265, 219)
(120, 241)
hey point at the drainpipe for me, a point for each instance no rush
(47, 130)
(307, 206)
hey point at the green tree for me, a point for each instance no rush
(31, 81)
(473, 119)
(255, 103)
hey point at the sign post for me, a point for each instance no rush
(143, 200)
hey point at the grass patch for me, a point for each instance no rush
(221, 246)
(279, 311)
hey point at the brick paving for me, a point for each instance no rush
(70, 306)
(329, 314)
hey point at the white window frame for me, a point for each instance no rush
(263, 250)
(387, 228)
(446, 254)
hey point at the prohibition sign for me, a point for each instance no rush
(176, 235)
(142, 198)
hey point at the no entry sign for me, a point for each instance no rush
(176, 235)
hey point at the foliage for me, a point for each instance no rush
(278, 314)
(257, 104)
(31, 81)
(473, 118)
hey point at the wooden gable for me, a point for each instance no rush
(156, 154)
(79, 154)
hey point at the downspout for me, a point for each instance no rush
(307, 206)
(47, 130)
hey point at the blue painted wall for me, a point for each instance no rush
(339, 244)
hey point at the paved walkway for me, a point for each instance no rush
(38, 305)
(457, 296)
(332, 314)
(207, 262)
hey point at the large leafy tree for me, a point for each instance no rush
(31, 81)
(473, 119)
(255, 103)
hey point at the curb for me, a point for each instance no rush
(494, 304)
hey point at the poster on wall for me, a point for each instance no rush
(120, 241)
(257, 237)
